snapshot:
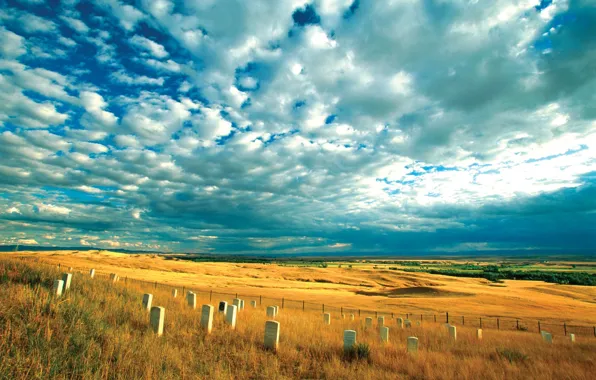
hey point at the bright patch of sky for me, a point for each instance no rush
(295, 126)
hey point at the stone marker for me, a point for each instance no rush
(191, 299)
(343, 316)
(385, 334)
(327, 318)
(67, 278)
(253, 304)
(276, 310)
(381, 321)
(349, 340)
(400, 323)
(58, 286)
(351, 317)
(207, 318)
(231, 315)
(223, 307)
(452, 332)
(175, 293)
(147, 300)
(272, 335)
(70, 269)
(479, 334)
(157, 318)
(408, 323)
(412, 345)
(236, 301)
(368, 322)
(113, 277)
(241, 304)
(572, 338)
(547, 337)
(92, 273)
(271, 311)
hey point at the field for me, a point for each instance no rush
(99, 330)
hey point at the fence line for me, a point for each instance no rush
(484, 322)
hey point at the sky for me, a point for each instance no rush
(299, 127)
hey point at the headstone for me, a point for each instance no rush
(572, 338)
(400, 323)
(547, 337)
(368, 322)
(253, 304)
(272, 335)
(223, 307)
(92, 273)
(67, 278)
(191, 299)
(381, 321)
(271, 311)
(113, 277)
(351, 317)
(327, 318)
(70, 269)
(241, 304)
(412, 345)
(385, 334)
(236, 301)
(231, 315)
(207, 318)
(175, 293)
(349, 340)
(408, 323)
(58, 286)
(147, 300)
(343, 316)
(276, 310)
(479, 334)
(157, 318)
(452, 332)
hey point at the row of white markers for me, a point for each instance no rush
(157, 316)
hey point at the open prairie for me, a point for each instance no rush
(371, 286)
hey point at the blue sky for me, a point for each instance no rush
(299, 127)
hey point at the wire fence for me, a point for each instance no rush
(484, 322)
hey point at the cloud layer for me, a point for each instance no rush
(323, 127)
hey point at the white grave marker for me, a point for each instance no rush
(272, 335)
(572, 338)
(231, 315)
(412, 345)
(157, 319)
(349, 340)
(175, 293)
(351, 318)
(92, 273)
(381, 321)
(236, 301)
(327, 318)
(191, 299)
(385, 334)
(547, 337)
(113, 277)
(452, 332)
(408, 323)
(479, 334)
(368, 322)
(223, 307)
(147, 300)
(253, 304)
(241, 304)
(58, 286)
(400, 323)
(271, 311)
(67, 278)
(207, 318)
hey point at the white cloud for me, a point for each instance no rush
(75, 24)
(11, 44)
(156, 50)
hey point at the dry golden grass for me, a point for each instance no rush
(343, 287)
(99, 330)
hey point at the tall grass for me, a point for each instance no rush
(99, 330)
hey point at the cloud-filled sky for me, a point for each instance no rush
(295, 126)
